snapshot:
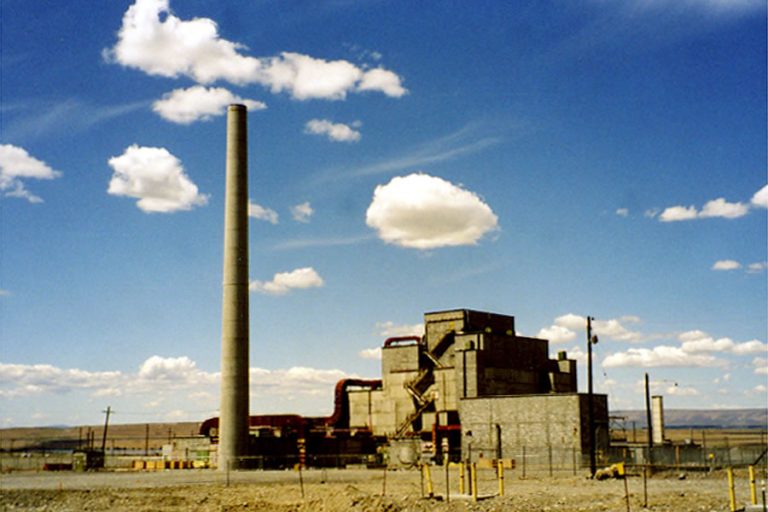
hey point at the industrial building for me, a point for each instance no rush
(472, 380)
(469, 388)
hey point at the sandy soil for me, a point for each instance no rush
(354, 490)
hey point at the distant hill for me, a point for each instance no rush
(703, 418)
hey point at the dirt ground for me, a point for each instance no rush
(356, 490)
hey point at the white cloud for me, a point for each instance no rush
(370, 353)
(424, 212)
(5, 293)
(16, 164)
(338, 132)
(156, 178)
(760, 389)
(726, 265)
(162, 380)
(756, 268)
(715, 208)
(284, 282)
(383, 80)
(154, 40)
(390, 329)
(721, 208)
(297, 380)
(302, 212)
(23, 379)
(678, 213)
(659, 356)
(750, 347)
(185, 106)
(760, 364)
(760, 199)
(262, 213)
(622, 212)
(699, 341)
(681, 391)
(612, 328)
(556, 334)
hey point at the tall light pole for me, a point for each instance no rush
(591, 340)
(649, 420)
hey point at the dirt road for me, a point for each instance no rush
(354, 490)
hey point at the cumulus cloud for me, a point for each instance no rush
(161, 378)
(156, 178)
(338, 132)
(722, 208)
(659, 356)
(756, 268)
(760, 364)
(715, 208)
(154, 40)
(700, 342)
(302, 212)
(25, 379)
(622, 212)
(726, 265)
(383, 80)
(16, 165)
(262, 213)
(198, 103)
(760, 199)
(612, 328)
(370, 353)
(678, 213)
(424, 212)
(284, 282)
(556, 334)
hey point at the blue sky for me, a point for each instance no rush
(544, 160)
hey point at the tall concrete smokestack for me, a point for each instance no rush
(234, 409)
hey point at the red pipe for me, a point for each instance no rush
(399, 339)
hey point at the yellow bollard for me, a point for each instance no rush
(473, 475)
(428, 477)
(500, 467)
(462, 476)
(752, 486)
(731, 490)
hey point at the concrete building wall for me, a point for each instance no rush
(536, 422)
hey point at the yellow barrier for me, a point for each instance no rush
(428, 477)
(501, 479)
(462, 478)
(752, 486)
(731, 490)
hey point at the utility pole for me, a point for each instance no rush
(648, 419)
(106, 426)
(591, 340)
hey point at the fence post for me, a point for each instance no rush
(447, 481)
(428, 476)
(549, 456)
(731, 490)
(523, 462)
(752, 486)
(462, 477)
(500, 469)
(473, 472)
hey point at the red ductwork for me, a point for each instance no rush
(401, 339)
(340, 416)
